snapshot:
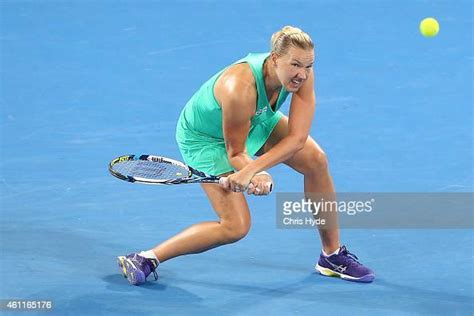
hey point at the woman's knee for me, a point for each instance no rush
(316, 161)
(235, 230)
(321, 159)
(232, 210)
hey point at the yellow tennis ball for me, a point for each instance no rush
(429, 27)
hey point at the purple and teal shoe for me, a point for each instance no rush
(344, 265)
(137, 268)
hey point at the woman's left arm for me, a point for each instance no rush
(303, 103)
(302, 108)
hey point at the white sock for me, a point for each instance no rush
(149, 254)
(333, 253)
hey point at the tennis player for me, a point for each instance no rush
(233, 117)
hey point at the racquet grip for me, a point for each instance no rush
(271, 187)
(223, 181)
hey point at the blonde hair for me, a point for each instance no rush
(290, 36)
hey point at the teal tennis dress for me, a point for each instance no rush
(199, 130)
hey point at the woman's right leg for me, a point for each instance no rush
(234, 224)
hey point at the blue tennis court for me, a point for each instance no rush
(85, 81)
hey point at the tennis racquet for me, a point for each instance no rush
(151, 169)
(157, 170)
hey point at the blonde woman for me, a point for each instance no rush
(233, 117)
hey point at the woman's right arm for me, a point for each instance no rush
(235, 91)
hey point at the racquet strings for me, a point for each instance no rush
(150, 170)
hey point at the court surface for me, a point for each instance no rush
(85, 81)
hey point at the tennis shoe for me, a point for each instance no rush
(137, 268)
(344, 265)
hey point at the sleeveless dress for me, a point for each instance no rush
(199, 131)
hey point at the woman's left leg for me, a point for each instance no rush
(311, 162)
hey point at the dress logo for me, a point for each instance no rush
(263, 110)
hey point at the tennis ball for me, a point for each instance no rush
(429, 27)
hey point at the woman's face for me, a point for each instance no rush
(294, 68)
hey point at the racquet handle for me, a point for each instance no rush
(223, 181)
